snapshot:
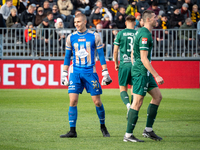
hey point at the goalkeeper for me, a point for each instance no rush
(84, 43)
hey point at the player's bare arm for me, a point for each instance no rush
(116, 47)
(149, 67)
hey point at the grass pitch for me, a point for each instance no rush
(34, 119)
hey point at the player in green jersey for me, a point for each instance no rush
(125, 42)
(143, 81)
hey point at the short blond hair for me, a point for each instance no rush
(13, 10)
(30, 7)
(55, 6)
(195, 6)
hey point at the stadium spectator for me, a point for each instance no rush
(176, 19)
(120, 21)
(195, 15)
(154, 7)
(164, 24)
(172, 2)
(179, 3)
(187, 34)
(39, 16)
(52, 3)
(103, 10)
(184, 11)
(5, 9)
(46, 7)
(84, 76)
(105, 22)
(13, 20)
(107, 3)
(114, 9)
(30, 37)
(60, 35)
(71, 22)
(132, 8)
(22, 6)
(27, 16)
(38, 3)
(56, 13)
(65, 7)
(95, 17)
(2, 32)
(157, 34)
(141, 24)
(44, 33)
(190, 4)
(142, 5)
(138, 18)
(34, 7)
(83, 6)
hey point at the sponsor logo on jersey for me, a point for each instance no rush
(144, 40)
(81, 40)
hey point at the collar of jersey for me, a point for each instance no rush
(83, 32)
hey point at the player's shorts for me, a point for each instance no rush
(89, 81)
(143, 84)
(124, 76)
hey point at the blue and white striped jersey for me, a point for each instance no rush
(84, 46)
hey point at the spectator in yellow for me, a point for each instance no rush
(131, 9)
(195, 15)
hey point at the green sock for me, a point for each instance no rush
(131, 99)
(151, 114)
(124, 97)
(132, 120)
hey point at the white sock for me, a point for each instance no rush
(148, 129)
(128, 105)
(128, 134)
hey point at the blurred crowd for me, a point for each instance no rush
(101, 14)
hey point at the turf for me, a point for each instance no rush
(34, 119)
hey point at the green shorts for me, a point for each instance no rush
(143, 84)
(124, 76)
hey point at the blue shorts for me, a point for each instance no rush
(89, 81)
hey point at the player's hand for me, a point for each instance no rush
(116, 67)
(159, 80)
(106, 77)
(64, 78)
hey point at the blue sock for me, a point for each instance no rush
(101, 114)
(72, 116)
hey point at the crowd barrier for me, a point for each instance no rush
(171, 44)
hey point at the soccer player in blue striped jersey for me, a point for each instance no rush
(84, 43)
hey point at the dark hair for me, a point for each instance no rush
(49, 12)
(154, 4)
(130, 18)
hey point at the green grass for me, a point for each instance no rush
(34, 119)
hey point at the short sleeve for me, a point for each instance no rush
(117, 39)
(68, 43)
(145, 42)
(98, 42)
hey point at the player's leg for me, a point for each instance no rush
(124, 95)
(151, 113)
(72, 116)
(74, 89)
(101, 114)
(132, 118)
(131, 94)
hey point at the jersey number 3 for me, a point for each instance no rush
(131, 44)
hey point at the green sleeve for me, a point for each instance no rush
(144, 42)
(117, 39)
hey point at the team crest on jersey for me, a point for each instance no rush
(81, 40)
(95, 84)
(144, 40)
